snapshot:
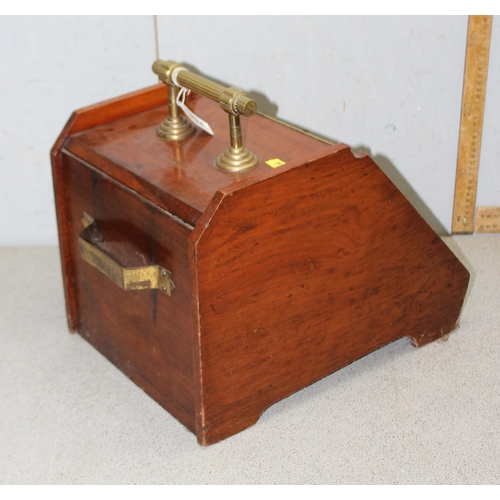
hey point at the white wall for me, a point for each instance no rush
(50, 67)
(388, 85)
(488, 192)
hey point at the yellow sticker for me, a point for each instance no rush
(275, 162)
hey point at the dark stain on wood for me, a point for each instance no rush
(282, 275)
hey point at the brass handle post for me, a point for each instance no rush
(175, 126)
(235, 102)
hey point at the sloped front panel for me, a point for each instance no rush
(305, 272)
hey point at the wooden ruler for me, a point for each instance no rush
(488, 220)
(471, 123)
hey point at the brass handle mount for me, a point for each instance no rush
(127, 278)
(235, 102)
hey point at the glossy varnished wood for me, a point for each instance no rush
(84, 119)
(147, 334)
(282, 275)
(301, 274)
(181, 177)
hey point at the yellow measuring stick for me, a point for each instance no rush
(471, 123)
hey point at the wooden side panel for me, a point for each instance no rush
(181, 177)
(64, 228)
(145, 333)
(80, 120)
(303, 273)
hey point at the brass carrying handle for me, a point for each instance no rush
(230, 99)
(127, 278)
(235, 102)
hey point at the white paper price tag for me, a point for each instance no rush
(181, 96)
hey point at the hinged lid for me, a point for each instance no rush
(178, 176)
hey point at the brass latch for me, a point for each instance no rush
(235, 102)
(127, 278)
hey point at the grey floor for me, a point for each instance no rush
(400, 415)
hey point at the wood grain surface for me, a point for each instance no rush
(301, 274)
(145, 333)
(282, 275)
(84, 119)
(181, 177)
